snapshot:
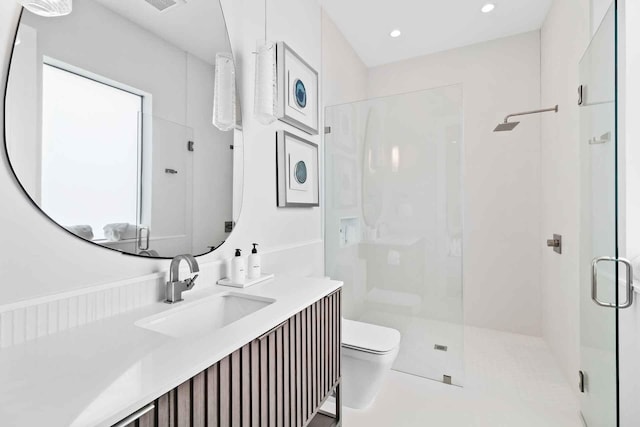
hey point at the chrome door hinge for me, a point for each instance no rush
(580, 94)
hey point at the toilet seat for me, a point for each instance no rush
(369, 338)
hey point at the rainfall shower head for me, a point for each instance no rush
(508, 126)
(163, 5)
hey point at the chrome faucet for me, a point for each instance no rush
(175, 287)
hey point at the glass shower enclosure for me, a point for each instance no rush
(602, 267)
(393, 222)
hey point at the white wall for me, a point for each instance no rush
(598, 10)
(37, 258)
(345, 75)
(24, 142)
(298, 23)
(629, 320)
(212, 161)
(501, 173)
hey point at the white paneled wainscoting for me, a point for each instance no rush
(31, 319)
(34, 318)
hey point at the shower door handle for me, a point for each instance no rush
(628, 284)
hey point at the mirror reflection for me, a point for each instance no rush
(110, 124)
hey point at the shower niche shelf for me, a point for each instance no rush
(349, 231)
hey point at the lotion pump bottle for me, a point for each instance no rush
(255, 267)
(238, 270)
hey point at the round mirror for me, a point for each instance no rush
(113, 126)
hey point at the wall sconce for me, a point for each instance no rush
(266, 84)
(224, 93)
(48, 8)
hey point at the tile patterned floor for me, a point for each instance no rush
(510, 381)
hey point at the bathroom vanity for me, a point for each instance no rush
(280, 378)
(274, 363)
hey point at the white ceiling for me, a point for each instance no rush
(428, 26)
(196, 26)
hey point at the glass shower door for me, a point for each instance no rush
(603, 274)
(393, 222)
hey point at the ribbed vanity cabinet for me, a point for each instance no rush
(279, 379)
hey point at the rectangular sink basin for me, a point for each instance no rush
(204, 316)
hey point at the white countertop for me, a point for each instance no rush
(99, 373)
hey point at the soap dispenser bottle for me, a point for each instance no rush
(255, 267)
(238, 271)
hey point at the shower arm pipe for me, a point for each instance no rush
(545, 110)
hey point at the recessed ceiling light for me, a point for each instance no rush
(395, 33)
(488, 7)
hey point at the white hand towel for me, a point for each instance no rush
(120, 231)
(84, 231)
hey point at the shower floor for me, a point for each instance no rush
(417, 355)
(511, 381)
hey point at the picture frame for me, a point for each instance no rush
(297, 171)
(298, 91)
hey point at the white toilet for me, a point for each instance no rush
(368, 352)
